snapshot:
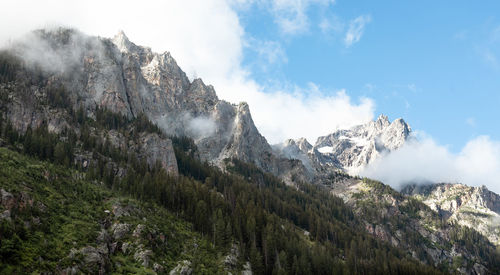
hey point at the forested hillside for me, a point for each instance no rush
(77, 198)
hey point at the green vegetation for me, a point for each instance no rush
(55, 210)
(246, 206)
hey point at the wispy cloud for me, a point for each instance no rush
(471, 121)
(356, 30)
(292, 15)
(269, 52)
(461, 35)
(331, 25)
(488, 48)
(490, 58)
(412, 87)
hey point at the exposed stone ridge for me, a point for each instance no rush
(475, 207)
(126, 78)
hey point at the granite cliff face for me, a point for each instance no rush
(474, 207)
(409, 223)
(117, 75)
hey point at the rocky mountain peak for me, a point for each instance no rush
(120, 76)
(122, 42)
(382, 120)
(353, 148)
(303, 144)
(349, 149)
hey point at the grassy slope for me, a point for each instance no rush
(71, 210)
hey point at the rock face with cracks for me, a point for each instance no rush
(120, 76)
(474, 207)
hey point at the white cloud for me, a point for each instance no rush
(306, 113)
(356, 29)
(478, 163)
(201, 127)
(291, 15)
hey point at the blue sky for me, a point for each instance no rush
(434, 63)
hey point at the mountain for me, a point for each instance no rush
(351, 149)
(119, 76)
(120, 163)
(410, 224)
(474, 207)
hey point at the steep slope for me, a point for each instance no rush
(407, 223)
(122, 77)
(254, 221)
(54, 220)
(474, 207)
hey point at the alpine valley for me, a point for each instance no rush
(112, 161)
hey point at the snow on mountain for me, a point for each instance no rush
(350, 149)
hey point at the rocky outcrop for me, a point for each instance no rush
(408, 224)
(125, 78)
(348, 150)
(474, 207)
(182, 268)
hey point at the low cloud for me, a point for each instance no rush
(423, 160)
(356, 29)
(198, 127)
(59, 55)
(201, 127)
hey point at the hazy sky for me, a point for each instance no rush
(307, 67)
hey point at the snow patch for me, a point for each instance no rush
(325, 150)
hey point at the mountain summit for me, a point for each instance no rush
(351, 149)
(117, 75)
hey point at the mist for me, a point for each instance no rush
(196, 127)
(62, 56)
(201, 127)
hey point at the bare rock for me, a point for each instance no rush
(182, 268)
(231, 260)
(138, 230)
(143, 256)
(5, 215)
(119, 230)
(8, 200)
(247, 269)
